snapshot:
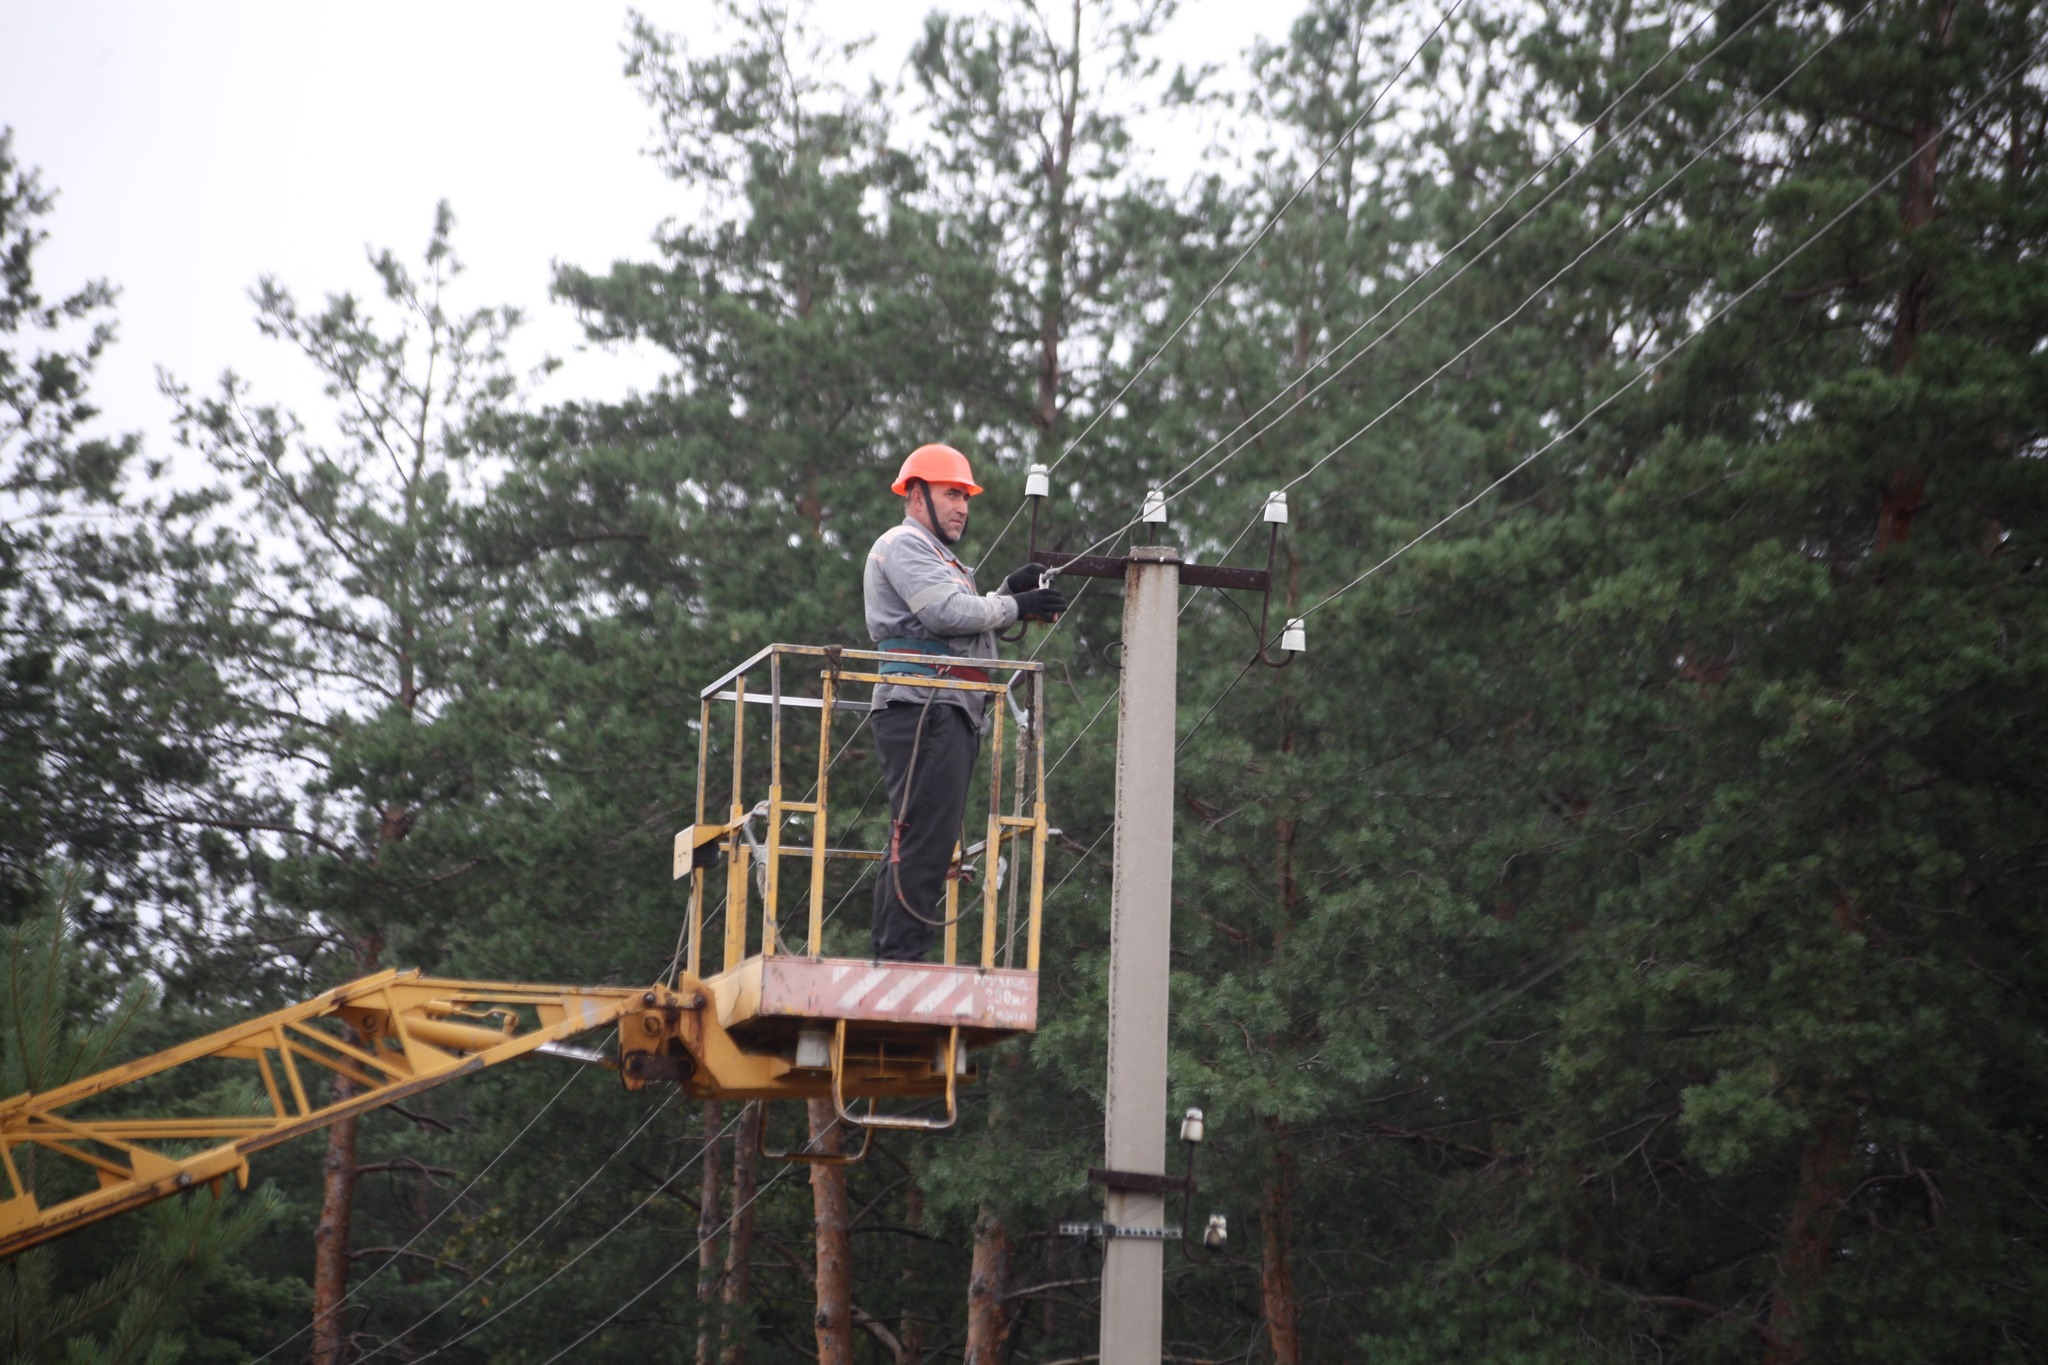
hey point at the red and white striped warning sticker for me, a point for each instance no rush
(900, 992)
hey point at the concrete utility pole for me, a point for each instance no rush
(1133, 1230)
(1141, 923)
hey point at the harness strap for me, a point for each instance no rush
(905, 645)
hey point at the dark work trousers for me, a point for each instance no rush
(928, 801)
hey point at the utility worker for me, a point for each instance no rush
(920, 599)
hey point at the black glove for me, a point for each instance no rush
(1040, 604)
(1024, 579)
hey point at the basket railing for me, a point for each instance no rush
(804, 680)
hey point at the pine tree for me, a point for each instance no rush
(98, 1298)
(355, 612)
(113, 748)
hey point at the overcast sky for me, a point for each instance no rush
(196, 146)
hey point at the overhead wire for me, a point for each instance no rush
(531, 1233)
(1664, 358)
(1687, 76)
(1621, 222)
(1597, 242)
(681, 1261)
(1506, 201)
(453, 1200)
(1272, 220)
(589, 1246)
(1864, 197)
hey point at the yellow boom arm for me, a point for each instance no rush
(387, 1036)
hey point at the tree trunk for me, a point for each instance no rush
(832, 1218)
(338, 1199)
(708, 1221)
(1809, 1241)
(988, 1279)
(1280, 1305)
(1906, 489)
(910, 1330)
(739, 1237)
(331, 1234)
(1056, 164)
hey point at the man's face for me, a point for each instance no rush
(949, 504)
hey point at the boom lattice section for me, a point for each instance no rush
(388, 1036)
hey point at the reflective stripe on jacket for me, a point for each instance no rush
(917, 588)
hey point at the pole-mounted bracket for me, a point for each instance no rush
(1143, 1181)
(1191, 575)
(1102, 1232)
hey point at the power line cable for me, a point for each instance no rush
(1515, 312)
(531, 1233)
(1506, 201)
(1613, 397)
(1563, 960)
(455, 1199)
(1348, 441)
(1512, 228)
(681, 1261)
(1640, 375)
(594, 1243)
(1272, 220)
(1590, 248)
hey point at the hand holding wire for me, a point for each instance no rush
(1025, 579)
(1040, 604)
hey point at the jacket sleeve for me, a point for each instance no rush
(935, 594)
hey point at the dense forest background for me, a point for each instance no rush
(1620, 937)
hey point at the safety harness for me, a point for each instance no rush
(903, 644)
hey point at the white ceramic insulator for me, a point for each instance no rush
(1037, 482)
(1295, 637)
(1276, 506)
(1155, 506)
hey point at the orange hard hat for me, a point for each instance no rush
(935, 464)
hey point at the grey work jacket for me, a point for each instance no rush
(917, 588)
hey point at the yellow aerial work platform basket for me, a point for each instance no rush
(845, 1025)
(769, 1023)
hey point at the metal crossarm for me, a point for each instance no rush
(355, 1048)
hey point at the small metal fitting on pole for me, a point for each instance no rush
(1037, 488)
(1275, 516)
